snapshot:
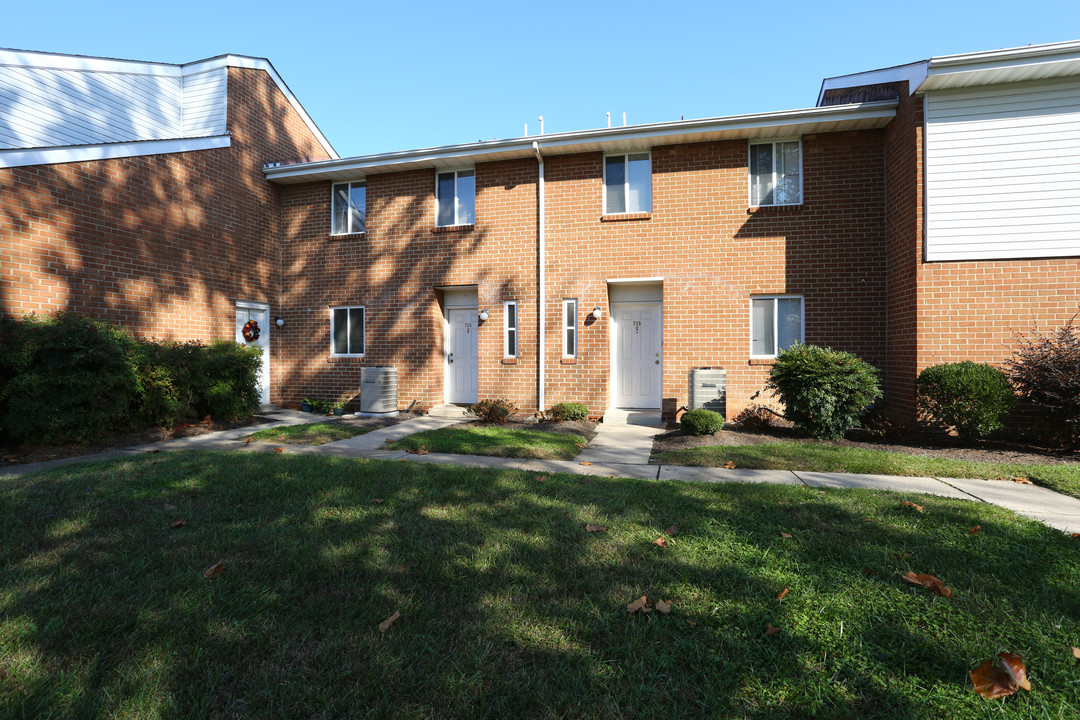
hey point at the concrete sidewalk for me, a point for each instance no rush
(616, 451)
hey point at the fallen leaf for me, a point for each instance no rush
(673, 530)
(540, 478)
(1076, 653)
(691, 623)
(663, 606)
(248, 441)
(169, 507)
(595, 528)
(660, 542)
(215, 570)
(152, 452)
(929, 582)
(422, 451)
(976, 530)
(785, 535)
(868, 571)
(821, 492)
(908, 503)
(385, 624)
(279, 449)
(730, 464)
(771, 630)
(1022, 481)
(783, 593)
(642, 604)
(179, 523)
(586, 462)
(998, 679)
(377, 501)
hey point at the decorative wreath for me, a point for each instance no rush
(251, 331)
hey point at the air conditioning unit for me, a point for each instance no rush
(378, 390)
(708, 389)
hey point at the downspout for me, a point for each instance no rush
(540, 291)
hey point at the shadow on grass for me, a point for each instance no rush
(508, 607)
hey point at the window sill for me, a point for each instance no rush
(349, 236)
(762, 361)
(453, 228)
(754, 209)
(621, 217)
(345, 359)
(568, 361)
(510, 361)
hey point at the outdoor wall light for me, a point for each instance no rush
(484, 315)
(597, 312)
(279, 321)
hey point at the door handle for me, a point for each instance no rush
(657, 362)
(450, 358)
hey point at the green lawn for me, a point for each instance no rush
(318, 433)
(497, 440)
(509, 608)
(815, 457)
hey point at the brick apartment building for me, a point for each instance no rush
(914, 216)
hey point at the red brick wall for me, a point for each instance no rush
(712, 252)
(164, 244)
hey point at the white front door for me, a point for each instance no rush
(637, 345)
(462, 368)
(260, 315)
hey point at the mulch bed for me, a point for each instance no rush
(912, 443)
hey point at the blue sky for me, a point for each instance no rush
(389, 76)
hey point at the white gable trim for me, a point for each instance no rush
(83, 153)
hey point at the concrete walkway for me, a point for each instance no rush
(616, 451)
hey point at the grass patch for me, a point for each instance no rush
(509, 608)
(1063, 477)
(497, 440)
(318, 433)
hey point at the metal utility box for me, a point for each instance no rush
(378, 390)
(708, 389)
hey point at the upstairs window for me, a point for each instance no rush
(627, 183)
(510, 345)
(569, 348)
(347, 331)
(350, 208)
(776, 173)
(776, 323)
(456, 195)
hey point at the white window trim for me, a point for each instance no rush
(348, 215)
(750, 174)
(626, 182)
(363, 329)
(507, 329)
(776, 320)
(565, 327)
(457, 205)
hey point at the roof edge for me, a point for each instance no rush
(914, 73)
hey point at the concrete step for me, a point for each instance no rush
(460, 412)
(633, 416)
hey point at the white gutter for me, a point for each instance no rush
(540, 291)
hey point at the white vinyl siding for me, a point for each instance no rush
(1001, 177)
(204, 103)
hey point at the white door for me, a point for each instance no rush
(637, 355)
(462, 368)
(260, 315)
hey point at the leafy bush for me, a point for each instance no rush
(972, 397)
(70, 378)
(824, 391)
(701, 422)
(494, 412)
(323, 407)
(1046, 371)
(565, 411)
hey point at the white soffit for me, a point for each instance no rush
(1034, 62)
(20, 157)
(789, 123)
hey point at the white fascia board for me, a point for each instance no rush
(998, 66)
(57, 61)
(914, 73)
(644, 134)
(255, 63)
(1006, 57)
(82, 153)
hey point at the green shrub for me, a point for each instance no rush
(565, 411)
(494, 412)
(1046, 372)
(323, 407)
(824, 391)
(701, 422)
(972, 397)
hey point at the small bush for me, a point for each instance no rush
(754, 418)
(1046, 371)
(701, 422)
(565, 411)
(494, 412)
(322, 407)
(824, 391)
(972, 397)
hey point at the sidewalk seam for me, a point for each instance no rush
(945, 482)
